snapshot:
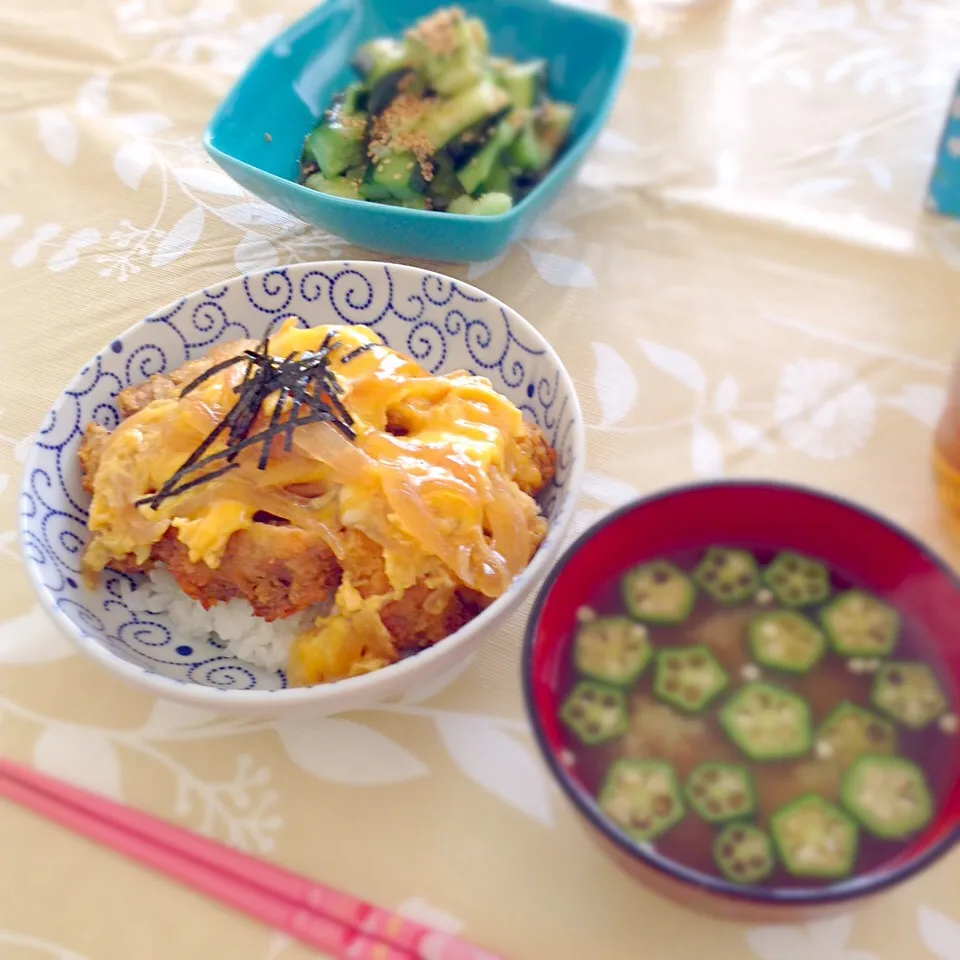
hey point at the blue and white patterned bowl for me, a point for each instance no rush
(443, 323)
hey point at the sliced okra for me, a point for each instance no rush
(743, 853)
(728, 575)
(595, 713)
(768, 722)
(720, 791)
(688, 677)
(888, 795)
(658, 592)
(785, 640)
(612, 650)
(908, 692)
(815, 838)
(642, 797)
(850, 731)
(860, 625)
(796, 580)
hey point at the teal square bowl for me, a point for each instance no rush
(257, 132)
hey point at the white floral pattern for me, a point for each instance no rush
(822, 409)
(823, 940)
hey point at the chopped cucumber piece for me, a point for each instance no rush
(860, 625)
(525, 153)
(814, 838)
(444, 184)
(888, 795)
(399, 175)
(351, 100)
(410, 203)
(768, 722)
(526, 83)
(477, 169)
(613, 650)
(787, 641)
(720, 791)
(850, 731)
(642, 797)
(658, 592)
(376, 58)
(487, 205)
(337, 143)
(334, 186)
(466, 144)
(500, 180)
(797, 581)
(908, 692)
(479, 36)
(594, 712)
(729, 576)
(743, 853)
(552, 123)
(449, 117)
(688, 677)
(451, 54)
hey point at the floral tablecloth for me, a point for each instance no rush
(742, 282)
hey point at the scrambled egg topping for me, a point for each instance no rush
(430, 478)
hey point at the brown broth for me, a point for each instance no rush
(659, 731)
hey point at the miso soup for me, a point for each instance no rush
(755, 716)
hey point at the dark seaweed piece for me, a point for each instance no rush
(363, 348)
(307, 382)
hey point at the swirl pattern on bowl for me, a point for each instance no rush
(442, 323)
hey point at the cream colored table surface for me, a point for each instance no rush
(742, 282)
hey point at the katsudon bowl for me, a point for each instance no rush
(443, 324)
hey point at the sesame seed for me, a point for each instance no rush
(750, 671)
(586, 614)
(764, 596)
(949, 723)
(438, 32)
(268, 138)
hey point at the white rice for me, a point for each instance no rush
(234, 624)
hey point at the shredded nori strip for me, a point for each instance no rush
(363, 348)
(306, 381)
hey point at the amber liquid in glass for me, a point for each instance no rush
(946, 455)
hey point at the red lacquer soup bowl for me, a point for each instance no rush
(857, 544)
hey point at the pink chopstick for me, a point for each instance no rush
(323, 918)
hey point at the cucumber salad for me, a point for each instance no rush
(436, 122)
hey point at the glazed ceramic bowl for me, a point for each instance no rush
(444, 324)
(862, 545)
(257, 132)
